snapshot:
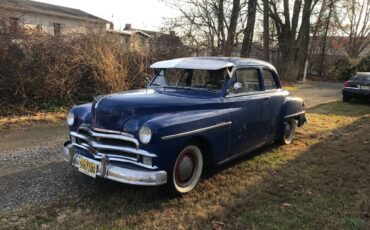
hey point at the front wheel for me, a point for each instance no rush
(289, 128)
(187, 170)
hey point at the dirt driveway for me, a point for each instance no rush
(32, 174)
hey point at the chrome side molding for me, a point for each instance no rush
(196, 131)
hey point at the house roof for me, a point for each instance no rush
(337, 45)
(40, 7)
(128, 32)
(156, 35)
(209, 63)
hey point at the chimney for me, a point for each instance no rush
(127, 26)
(173, 33)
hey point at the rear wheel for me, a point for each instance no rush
(346, 98)
(288, 134)
(187, 170)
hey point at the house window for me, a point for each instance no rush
(14, 25)
(39, 28)
(57, 29)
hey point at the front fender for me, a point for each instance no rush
(82, 115)
(172, 131)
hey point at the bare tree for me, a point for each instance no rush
(231, 34)
(249, 29)
(357, 12)
(293, 37)
(213, 24)
(325, 36)
(266, 31)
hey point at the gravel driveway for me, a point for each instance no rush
(316, 93)
(32, 172)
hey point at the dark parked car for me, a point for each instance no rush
(195, 112)
(357, 87)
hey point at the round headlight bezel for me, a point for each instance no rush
(145, 134)
(70, 119)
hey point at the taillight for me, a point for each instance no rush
(346, 84)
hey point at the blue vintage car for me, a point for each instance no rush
(195, 112)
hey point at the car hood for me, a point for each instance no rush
(112, 111)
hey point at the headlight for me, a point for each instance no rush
(145, 134)
(70, 119)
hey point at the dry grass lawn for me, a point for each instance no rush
(321, 181)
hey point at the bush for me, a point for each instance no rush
(343, 69)
(364, 64)
(40, 69)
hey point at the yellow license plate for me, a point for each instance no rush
(87, 167)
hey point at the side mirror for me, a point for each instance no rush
(237, 87)
(147, 82)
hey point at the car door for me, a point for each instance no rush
(277, 96)
(248, 106)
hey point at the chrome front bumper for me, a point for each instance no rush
(116, 173)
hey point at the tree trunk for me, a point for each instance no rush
(324, 39)
(220, 21)
(232, 28)
(304, 38)
(249, 29)
(266, 31)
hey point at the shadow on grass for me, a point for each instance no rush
(326, 186)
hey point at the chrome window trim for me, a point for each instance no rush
(196, 131)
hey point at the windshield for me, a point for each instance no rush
(361, 77)
(191, 78)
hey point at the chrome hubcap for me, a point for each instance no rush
(185, 168)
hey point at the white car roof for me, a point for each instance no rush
(192, 63)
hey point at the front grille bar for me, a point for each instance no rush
(91, 143)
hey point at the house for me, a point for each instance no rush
(136, 41)
(52, 19)
(162, 45)
(340, 46)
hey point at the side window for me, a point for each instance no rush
(249, 80)
(199, 78)
(269, 79)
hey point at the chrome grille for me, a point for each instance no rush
(117, 146)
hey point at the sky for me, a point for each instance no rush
(143, 14)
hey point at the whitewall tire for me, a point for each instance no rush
(187, 170)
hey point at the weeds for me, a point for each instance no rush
(39, 71)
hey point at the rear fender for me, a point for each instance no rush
(294, 107)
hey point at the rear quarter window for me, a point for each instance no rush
(269, 80)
